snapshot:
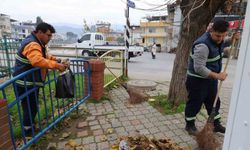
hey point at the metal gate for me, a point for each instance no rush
(113, 66)
(50, 110)
(8, 48)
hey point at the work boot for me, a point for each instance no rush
(28, 132)
(219, 128)
(191, 128)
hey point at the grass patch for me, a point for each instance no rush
(162, 104)
(103, 98)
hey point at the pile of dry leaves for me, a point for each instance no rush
(141, 142)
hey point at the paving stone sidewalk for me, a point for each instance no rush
(124, 119)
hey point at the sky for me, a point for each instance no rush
(74, 11)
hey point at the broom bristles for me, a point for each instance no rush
(206, 139)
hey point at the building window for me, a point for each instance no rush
(23, 31)
(152, 40)
(151, 30)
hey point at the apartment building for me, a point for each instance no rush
(103, 27)
(154, 29)
(135, 35)
(5, 25)
(20, 30)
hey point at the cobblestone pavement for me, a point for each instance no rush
(125, 119)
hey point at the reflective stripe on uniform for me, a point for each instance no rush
(211, 59)
(21, 82)
(23, 60)
(27, 127)
(217, 117)
(194, 75)
(190, 118)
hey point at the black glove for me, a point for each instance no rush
(58, 60)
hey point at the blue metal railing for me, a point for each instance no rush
(50, 110)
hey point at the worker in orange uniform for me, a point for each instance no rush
(33, 53)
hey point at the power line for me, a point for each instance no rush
(162, 7)
(153, 4)
(157, 7)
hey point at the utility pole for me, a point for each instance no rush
(126, 38)
(240, 12)
(131, 4)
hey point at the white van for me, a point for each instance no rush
(89, 40)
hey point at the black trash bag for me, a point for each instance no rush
(65, 85)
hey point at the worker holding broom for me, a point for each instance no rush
(204, 71)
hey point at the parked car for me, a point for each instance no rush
(147, 48)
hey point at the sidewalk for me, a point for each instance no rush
(124, 119)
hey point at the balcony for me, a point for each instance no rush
(154, 24)
(154, 35)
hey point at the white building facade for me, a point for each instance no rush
(21, 30)
(5, 25)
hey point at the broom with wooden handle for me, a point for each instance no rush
(205, 138)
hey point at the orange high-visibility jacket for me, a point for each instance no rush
(33, 52)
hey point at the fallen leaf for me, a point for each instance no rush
(110, 131)
(72, 143)
(49, 136)
(188, 148)
(19, 142)
(67, 147)
(66, 122)
(80, 148)
(114, 147)
(65, 134)
(74, 115)
(86, 110)
(33, 147)
(104, 138)
(51, 146)
(151, 100)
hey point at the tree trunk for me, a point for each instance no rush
(192, 27)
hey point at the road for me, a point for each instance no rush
(160, 69)
(144, 67)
